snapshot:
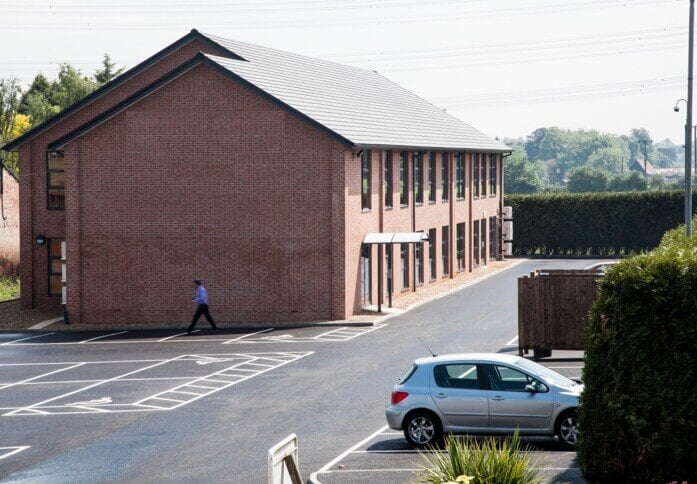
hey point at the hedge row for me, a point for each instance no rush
(638, 411)
(593, 223)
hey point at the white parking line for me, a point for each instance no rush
(100, 337)
(246, 335)
(40, 376)
(512, 342)
(8, 451)
(24, 339)
(175, 335)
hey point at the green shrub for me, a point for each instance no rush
(593, 223)
(489, 461)
(638, 411)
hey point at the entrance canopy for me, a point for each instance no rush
(395, 238)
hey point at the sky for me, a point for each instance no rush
(506, 67)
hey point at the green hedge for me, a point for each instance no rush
(638, 410)
(593, 223)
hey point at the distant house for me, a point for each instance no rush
(643, 166)
(295, 188)
(9, 220)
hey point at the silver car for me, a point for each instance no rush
(485, 393)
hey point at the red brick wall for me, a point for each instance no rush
(204, 180)
(9, 222)
(36, 219)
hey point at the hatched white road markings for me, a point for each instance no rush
(8, 451)
(238, 367)
(343, 333)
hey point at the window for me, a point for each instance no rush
(492, 174)
(55, 269)
(445, 177)
(459, 177)
(432, 178)
(482, 172)
(493, 238)
(432, 252)
(365, 180)
(474, 161)
(482, 245)
(418, 179)
(404, 179)
(405, 265)
(55, 181)
(462, 375)
(460, 232)
(419, 256)
(507, 379)
(445, 246)
(475, 242)
(388, 179)
(388, 268)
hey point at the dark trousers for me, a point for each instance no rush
(202, 309)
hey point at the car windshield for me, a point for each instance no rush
(544, 372)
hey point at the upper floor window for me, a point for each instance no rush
(445, 177)
(365, 180)
(459, 176)
(388, 179)
(475, 174)
(55, 181)
(482, 172)
(432, 177)
(492, 174)
(404, 179)
(418, 179)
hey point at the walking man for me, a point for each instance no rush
(201, 299)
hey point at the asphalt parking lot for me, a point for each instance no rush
(385, 456)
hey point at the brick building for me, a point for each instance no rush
(259, 171)
(9, 220)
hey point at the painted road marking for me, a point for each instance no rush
(246, 336)
(238, 367)
(341, 334)
(25, 339)
(178, 334)
(8, 451)
(100, 337)
(512, 342)
(40, 376)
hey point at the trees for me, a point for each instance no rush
(629, 182)
(521, 175)
(108, 71)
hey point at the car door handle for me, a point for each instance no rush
(441, 395)
(497, 398)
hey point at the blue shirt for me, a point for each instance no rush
(201, 295)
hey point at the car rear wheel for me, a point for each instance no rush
(423, 429)
(567, 429)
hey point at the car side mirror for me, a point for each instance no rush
(530, 388)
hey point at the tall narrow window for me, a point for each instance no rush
(404, 179)
(55, 183)
(388, 268)
(460, 232)
(405, 265)
(475, 242)
(365, 180)
(492, 174)
(419, 256)
(482, 172)
(418, 179)
(432, 177)
(493, 238)
(482, 244)
(459, 177)
(445, 246)
(475, 174)
(432, 252)
(388, 179)
(445, 177)
(55, 287)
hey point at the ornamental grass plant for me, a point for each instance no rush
(483, 461)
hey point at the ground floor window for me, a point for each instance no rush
(419, 256)
(482, 245)
(475, 242)
(55, 286)
(493, 237)
(446, 250)
(432, 252)
(388, 268)
(365, 275)
(405, 265)
(460, 232)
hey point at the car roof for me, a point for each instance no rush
(486, 357)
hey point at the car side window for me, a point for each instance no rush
(457, 375)
(507, 379)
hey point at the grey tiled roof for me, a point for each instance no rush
(361, 106)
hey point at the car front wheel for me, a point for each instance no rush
(567, 429)
(422, 429)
